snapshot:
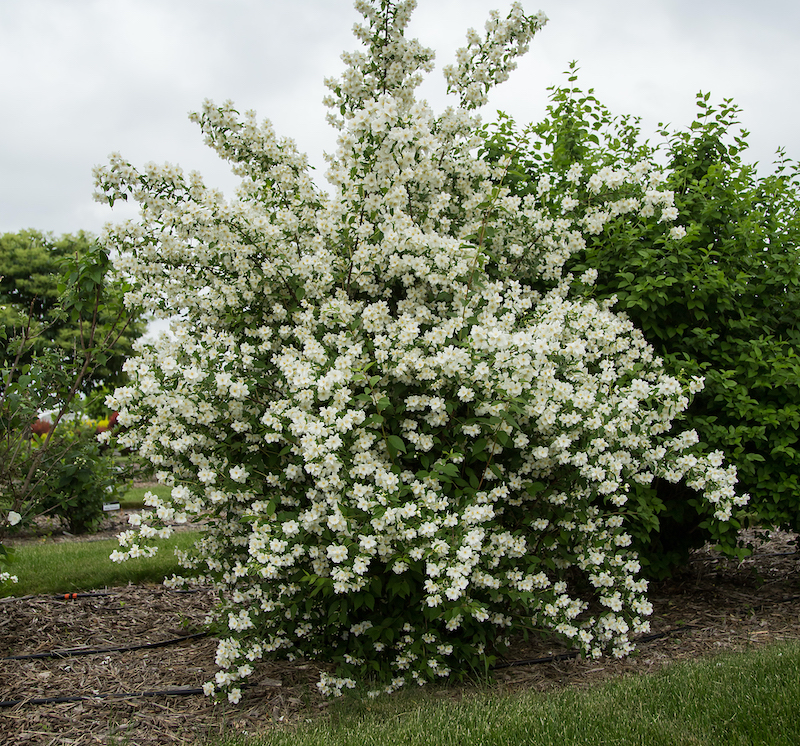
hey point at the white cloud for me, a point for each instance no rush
(90, 76)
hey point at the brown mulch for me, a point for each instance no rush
(717, 604)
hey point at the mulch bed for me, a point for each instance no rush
(717, 604)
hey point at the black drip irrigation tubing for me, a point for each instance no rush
(90, 697)
(192, 691)
(725, 558)
(74, 652)
(73, 596)
(534, 661)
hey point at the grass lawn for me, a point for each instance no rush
(728, 700)
(73, 566)
(68, 567)
(134, 497)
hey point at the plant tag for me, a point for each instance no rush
(108, 507)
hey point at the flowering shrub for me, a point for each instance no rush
(404, 452)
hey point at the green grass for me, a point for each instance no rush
(729, 700)
(68, 567)
(134, 497)
(73, 566)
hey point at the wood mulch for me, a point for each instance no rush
(717, 604)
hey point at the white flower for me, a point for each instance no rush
(206, 475)
(239, 474)
(337, 553)
(466, 394)
(291, 528)
(238, 390)
(234, 695)
(13, 518)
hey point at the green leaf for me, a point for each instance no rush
(536, 488)
(397, 443)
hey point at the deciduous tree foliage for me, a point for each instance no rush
(31, 283)
(408, 437)
(58, 470)
(722, 302)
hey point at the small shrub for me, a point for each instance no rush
(80, 478)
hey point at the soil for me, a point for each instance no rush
(716, 604)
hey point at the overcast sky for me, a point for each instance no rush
(82, 78)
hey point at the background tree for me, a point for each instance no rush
(62, 471)
(722, 302)
(31, 283)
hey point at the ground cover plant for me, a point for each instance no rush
(722, 302)
(409, 437)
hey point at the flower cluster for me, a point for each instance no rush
(403, 452)
(12, 519)
(485, 63)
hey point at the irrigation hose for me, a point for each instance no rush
(534, 661)
(90, 697)
(73, 652)
(190, 691)
(73, 596)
